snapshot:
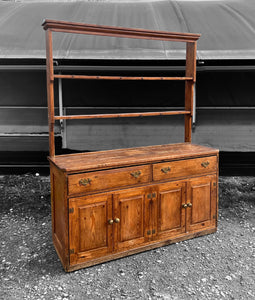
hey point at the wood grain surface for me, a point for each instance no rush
(131, 156)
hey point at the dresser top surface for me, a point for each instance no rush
(129, 156)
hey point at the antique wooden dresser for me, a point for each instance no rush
(110, 204)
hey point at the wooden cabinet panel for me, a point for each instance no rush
(202, 202)
(184, 168)
(102, 180)
(129, 209)
(92, 216)
(59, 214)
(171, 215)
(89, 231)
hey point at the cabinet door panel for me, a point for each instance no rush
(90, 233)
(93, 224)
(129, 208)
(171, 215)
(202, 194)
(131, 215)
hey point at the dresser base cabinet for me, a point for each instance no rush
(110, 204)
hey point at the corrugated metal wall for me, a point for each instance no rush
(228, 31)
(227, 28)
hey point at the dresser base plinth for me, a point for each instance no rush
(148, 247)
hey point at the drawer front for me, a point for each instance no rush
(183, 168)
(102, 180)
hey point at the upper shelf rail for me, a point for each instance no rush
(136, 33)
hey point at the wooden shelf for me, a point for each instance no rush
(123, 115)
(94, 77)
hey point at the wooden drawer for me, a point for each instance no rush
(183, 168)
(102, 180)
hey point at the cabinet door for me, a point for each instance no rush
(202, 203)
(171, 214)
(90, 232)
(130, 214)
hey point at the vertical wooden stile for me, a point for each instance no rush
(189, 86)
(50, 91)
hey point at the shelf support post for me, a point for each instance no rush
(194, 107)
(50, 91)
(189, 86)
(61, 112)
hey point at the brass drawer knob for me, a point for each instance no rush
(184, 205)
(189, 204)
(136, 174)
(116, 220)
(85, 181)
(205, 164)
(110, 221)
(166, 170)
